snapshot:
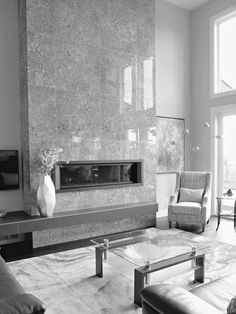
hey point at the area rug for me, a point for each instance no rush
(66, 281)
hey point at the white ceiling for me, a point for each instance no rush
(189, 5)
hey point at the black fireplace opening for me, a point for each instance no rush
(76, 175)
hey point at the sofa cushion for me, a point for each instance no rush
(13, 299)
(190, 195)
(187, 208)
(169, 299)
(219, 292)
(147, 309)
(3, 266)
(231, 309)
(9, 286)
(25, 303)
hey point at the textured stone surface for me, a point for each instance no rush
(78, 96)
(66, 281)
(24, 106)
(90, 230)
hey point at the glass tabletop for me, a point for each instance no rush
(150, 245)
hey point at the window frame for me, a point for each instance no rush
(217, 114)
(214, 52)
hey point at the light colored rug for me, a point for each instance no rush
(66, 281)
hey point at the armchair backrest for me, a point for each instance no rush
(193, 180)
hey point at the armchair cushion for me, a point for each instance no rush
(193, 204)
(189, 208)
(191, 195)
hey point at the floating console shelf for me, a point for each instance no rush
(84, 175)
(20, 222)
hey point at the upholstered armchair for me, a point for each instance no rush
(191, 201)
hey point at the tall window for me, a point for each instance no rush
(229, 153)
(224, 43)
(226, 155)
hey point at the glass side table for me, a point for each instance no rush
(221, 213)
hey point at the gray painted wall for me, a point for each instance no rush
(172, 60)
(172, 77)
(201, 103)
(9, 93)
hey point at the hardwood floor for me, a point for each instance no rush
(225, 233)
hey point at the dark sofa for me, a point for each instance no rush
(211, 298)
(13, 299)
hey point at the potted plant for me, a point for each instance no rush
(46, 195)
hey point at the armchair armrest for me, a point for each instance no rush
(204, 200)
(206, 197)
(173, 198)
(168, 299)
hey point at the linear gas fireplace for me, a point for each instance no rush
(81, 175)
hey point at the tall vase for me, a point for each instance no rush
(46, 196)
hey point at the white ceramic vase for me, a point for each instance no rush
(46, 196)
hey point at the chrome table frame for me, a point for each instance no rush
(141, 274)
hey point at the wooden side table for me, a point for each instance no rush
(219, 209)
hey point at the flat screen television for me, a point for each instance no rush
(9, 170)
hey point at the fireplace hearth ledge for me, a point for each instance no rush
(19, 222)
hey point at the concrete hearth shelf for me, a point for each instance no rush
(20, 222)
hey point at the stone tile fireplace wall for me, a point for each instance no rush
(87, 85)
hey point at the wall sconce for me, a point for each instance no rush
(195, 149)
(186, 131)
(205, 124)
(218, 137)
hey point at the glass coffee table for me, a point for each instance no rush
(151, 250)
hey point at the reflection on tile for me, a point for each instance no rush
(91, 80)
(66, 281)
(59, 300)
(43, 277)
(76, 289)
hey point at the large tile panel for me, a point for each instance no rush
(90, 90)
